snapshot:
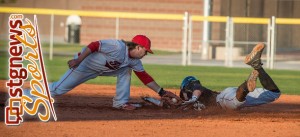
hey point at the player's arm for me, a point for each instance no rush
(92, 47)
(197, 92)
(155, 87)
(148, 80)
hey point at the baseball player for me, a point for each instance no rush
(233, 98)
(109, 58)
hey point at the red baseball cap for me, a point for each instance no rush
(143, 41)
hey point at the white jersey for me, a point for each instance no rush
(112, 55)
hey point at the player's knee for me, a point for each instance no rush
(272, 97)
(58, 92)
(276, 96)
(276, 91)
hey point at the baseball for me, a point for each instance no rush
(174, 100)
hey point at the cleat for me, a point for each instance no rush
(253, 59)
(128, 106)
(251, 82)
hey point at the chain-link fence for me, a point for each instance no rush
(230, 39)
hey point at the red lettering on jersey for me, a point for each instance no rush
(114, 65)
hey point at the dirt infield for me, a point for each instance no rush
(87, 111)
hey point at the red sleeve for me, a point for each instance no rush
(94, 46)
(144, 77)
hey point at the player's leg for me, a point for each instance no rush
(247, 86)
(233, 98)
(253, 59)
(71, 79)
(122, 96)
(270, 92)
(266, 81)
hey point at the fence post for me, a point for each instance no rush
(229, 42)
(190, 40)
(184, 40)
(269, 43)
(206, 30)
(117, 27)
(51, 37)
(273, 42)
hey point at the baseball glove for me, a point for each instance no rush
(171, 102)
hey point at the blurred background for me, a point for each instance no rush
(179, 33)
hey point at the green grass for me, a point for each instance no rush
(61, 48)
(168, 76)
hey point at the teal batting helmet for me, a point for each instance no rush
(187, 80)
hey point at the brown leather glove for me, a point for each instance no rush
(169, 99)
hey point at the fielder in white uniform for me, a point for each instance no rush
(233, 98)
(109, 58)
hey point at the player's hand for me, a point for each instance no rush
(73, 63)
(168, 96)
(190, 101)
(186, 105)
